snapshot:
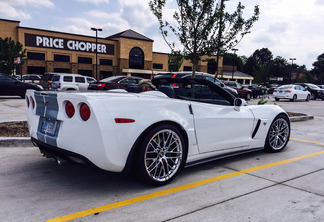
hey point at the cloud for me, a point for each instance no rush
(35, 3)
(96, 2)
(8, 11)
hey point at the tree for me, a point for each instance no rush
(318, 69)
(231, 59)
(259, 64)
(175, 60)
(204, 28)
(9, 49)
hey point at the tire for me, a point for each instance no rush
(294, 98)
(277, 99)
(307, 99)
(313, 97)
(278, 134)
(248, 96)
(161, 155)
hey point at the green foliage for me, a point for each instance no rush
(9, 49)
(175, 61)
(262, 101)
(203, 27)
(318, 69)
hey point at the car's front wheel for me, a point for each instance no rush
(161, 155)
(278, 134)
(277, 99)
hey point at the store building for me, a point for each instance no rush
(125, 53)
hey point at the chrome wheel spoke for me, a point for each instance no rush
(163, 155)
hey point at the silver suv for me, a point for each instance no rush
(65, 82)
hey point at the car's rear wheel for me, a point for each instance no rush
(307, 98)
(248, 96)
(278, 134)
(294, 98)
(277, 99)
(161, 155)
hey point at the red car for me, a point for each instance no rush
(115, 82)
(242, 92)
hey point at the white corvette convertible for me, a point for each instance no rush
(152, 134)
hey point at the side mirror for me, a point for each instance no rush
(237, 104)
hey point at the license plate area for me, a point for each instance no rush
(48, 126)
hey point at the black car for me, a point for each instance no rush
(115, 82)
(198, 75)
(316, 92)
(256, 90)
(10, 86)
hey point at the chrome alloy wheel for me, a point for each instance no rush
(163, 155)
(279, 134)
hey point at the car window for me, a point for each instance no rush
(7, 79)
(90, 80)
(129, 81)
(199, 93)
(56, 78)
(79, 79)
(67, 79)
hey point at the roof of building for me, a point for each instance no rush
(237, 74)
(130, 34)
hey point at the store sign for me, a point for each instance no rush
(67, 44)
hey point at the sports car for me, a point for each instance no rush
(153, 134)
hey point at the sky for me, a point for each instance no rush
(288, 28)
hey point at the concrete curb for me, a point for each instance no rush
(300, 118)
(15, 142)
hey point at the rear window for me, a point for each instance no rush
(56, 78)
(67, 79)
(80, 79)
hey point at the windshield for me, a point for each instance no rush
(313, 86)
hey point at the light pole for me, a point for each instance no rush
(292, 62)
(96, 30)
(233, 62)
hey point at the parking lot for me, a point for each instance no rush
(259, 186)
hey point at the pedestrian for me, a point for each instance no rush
(146, 85)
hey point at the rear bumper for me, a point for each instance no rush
(57, 153)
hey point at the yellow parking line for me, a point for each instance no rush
(307, 141)
(12, 114)
(179, 188)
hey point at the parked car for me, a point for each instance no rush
(292, 92)
(316, 92)
(149, 134)
(46, 80)
(321, 86)
(31, 78)
(115, 82)
(199, 75)
(65, 82)
(256, 90)
(10, 86)
(242, 92)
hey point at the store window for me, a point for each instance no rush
(106, 62)
(61, 58)
(157, 66)
(85, 72)
(212, 67)
(36, 56)
(187, 68)
(136, 58)
(62, 70)
(105, 74)
(85, 60)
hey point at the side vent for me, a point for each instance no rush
(256, 128)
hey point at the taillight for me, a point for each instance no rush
(32, 102)
(174, 75)
(101, 85)
(274, 90)
(69, 109)
(85, 112)
(288, 91)
(27, 101)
